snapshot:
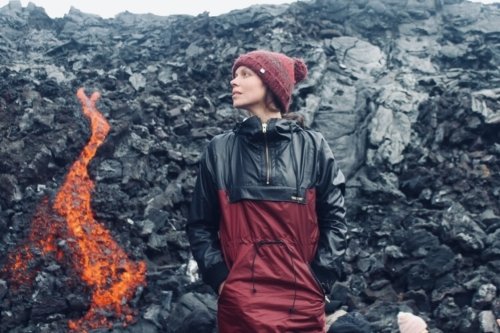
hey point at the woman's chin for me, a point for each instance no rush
(238, 105)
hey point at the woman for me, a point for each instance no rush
(266, 223)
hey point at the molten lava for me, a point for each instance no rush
(111, 276)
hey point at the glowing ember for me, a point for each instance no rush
(102, 264)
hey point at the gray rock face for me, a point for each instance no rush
(405, 92)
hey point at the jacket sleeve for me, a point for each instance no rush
(330, 190)
(203, 226)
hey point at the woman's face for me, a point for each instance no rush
(248, 89)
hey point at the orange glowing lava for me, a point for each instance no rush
(111, 276)
(45, 229)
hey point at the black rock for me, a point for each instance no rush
(405, 92)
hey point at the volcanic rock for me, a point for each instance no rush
(405, 92)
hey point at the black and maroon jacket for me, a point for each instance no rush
(267, 217)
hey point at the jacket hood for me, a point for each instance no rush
(277, 129)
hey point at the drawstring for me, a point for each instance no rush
(231, 159)
(294, 164)
(292, 309)
(257, 246)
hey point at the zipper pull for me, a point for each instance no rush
(264, 128)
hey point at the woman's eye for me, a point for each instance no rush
(242, 74)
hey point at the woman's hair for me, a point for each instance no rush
(273, 104)
(295, 116)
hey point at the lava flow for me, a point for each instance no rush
(110, 275)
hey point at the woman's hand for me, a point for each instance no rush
(221, 287)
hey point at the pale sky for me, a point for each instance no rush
(109, 8)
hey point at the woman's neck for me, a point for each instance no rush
(264, 114)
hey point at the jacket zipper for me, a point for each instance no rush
(268, 169)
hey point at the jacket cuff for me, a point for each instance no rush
(325, 277)
(216, 275)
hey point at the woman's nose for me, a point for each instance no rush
(232, 82)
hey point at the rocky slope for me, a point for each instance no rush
(406, 92)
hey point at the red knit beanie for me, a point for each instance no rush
(278, 72)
